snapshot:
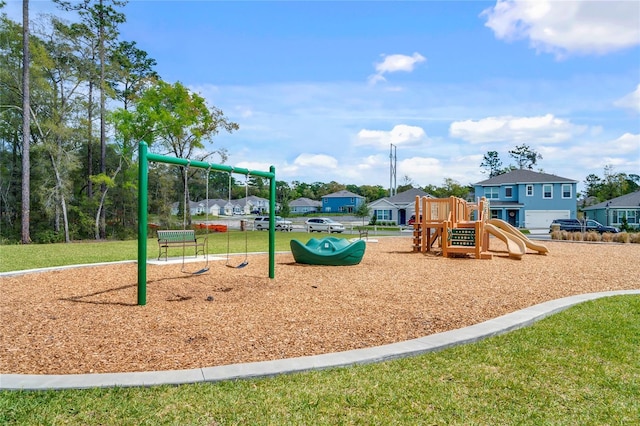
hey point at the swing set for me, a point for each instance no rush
(143, 183)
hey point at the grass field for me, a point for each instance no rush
(30, 256)
(581, 366)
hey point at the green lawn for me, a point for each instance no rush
(578, 367)
(20, 257)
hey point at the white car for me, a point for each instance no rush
(262, 222)
(320, 224)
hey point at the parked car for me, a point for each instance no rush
(576, 225)
(412, 219)
(320, 224)
(262, 222)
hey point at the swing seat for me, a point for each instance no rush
(328, 251)
(179, 238)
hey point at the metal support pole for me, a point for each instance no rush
(143, 181)
(272, 223)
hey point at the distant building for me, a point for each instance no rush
(398, 208)
(529, 199)
(616, 210)
(304, 205)
(341, 202)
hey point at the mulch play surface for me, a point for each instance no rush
(85, 320)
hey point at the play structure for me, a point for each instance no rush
(462, 228)
(330, 251)
(185, 237)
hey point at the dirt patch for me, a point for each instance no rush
(86, 320)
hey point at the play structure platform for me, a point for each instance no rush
(462, 228)
(330, 251)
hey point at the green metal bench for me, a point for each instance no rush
(179, 238)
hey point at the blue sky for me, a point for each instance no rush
(321, 89)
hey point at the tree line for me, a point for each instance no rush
(75, 100)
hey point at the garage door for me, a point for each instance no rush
(538, 219)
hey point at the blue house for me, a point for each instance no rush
(341, 202)
(616, 211)
(529, 199)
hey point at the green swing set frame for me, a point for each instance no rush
(144, 157)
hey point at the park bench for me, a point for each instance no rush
(179, 238)
(363, 232)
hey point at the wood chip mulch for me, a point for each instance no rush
(86, 320)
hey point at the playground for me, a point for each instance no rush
(87, 320)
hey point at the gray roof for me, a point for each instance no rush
(343, 194)
(524, 176)
(305, 202)
(213, 201)
(407, 196)
(631, 201)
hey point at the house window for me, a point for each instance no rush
(508, 192)
(325, 200)
(547, 191)
(383, 214)
(492, 192)
(495, 214)
(566, 190)
(529, 190)
(631, 215)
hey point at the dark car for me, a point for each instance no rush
(576, 225)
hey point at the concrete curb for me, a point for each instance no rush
(431, 343)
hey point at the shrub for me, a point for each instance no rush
(607, 237)
(592, 236)
(578, 236)
(622, 237)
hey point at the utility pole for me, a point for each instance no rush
(393, 188)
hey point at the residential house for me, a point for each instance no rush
(253, 203)
(341, 202)
(195, 208)
(529, 199)
(222, 207)
(397, 209)
(615, 211)
(304, 205)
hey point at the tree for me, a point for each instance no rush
(177, 120)
(26, 126)
(592, 185)
(492, 163)
(406, 183)
(363, 211)
(525, 157)
(450, 188)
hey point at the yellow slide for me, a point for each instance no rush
(515, 246)
(515, 232)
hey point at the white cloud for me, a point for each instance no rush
(567, 27)
(395, 63)
(630, 101)
(401, 134)
(545, 129)
(316, 160)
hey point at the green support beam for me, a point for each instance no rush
(143, 202)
